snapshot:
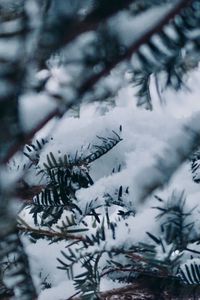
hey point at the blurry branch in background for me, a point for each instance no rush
(73, 28)
(26, 138)
(133, 48)
(14, 27)
(100, 14)
(92, 81)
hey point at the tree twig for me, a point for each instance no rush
(86, 86)
(29, 135)
(150, 288)
(136, 44)
(52, 234)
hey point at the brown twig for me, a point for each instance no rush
(151, 288)
(26, 193)
(52, 234)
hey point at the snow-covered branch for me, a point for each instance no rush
(179, 148)
(77, 26)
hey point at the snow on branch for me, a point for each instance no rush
(134, 45)
(87, 85)
(179, 148)
(75, 28)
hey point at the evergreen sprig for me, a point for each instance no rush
(175, 221)
(66, 176)
(163, 53)
(189, 272)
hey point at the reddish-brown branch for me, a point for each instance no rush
(92, 21)
(151, 288)
(135, 46)
(142, 271)
(26, 193)
(28, 136)
(93, 80)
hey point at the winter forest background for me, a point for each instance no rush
(99, 149)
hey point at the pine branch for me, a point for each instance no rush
(89, 23)
(26, 193)
(87, 86)
(150, 288)
(50, 234)
(17, 275)
(141, 271)
(136, 44)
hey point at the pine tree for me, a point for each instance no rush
(59, 56)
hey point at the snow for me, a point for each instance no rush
(107, 283)
(59, 292)
(10, 48)
(127, 27)
(42, 258)
(183, 103)
(150, 159)
(146, 138)
(33, 108)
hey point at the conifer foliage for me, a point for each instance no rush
(57, 58)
